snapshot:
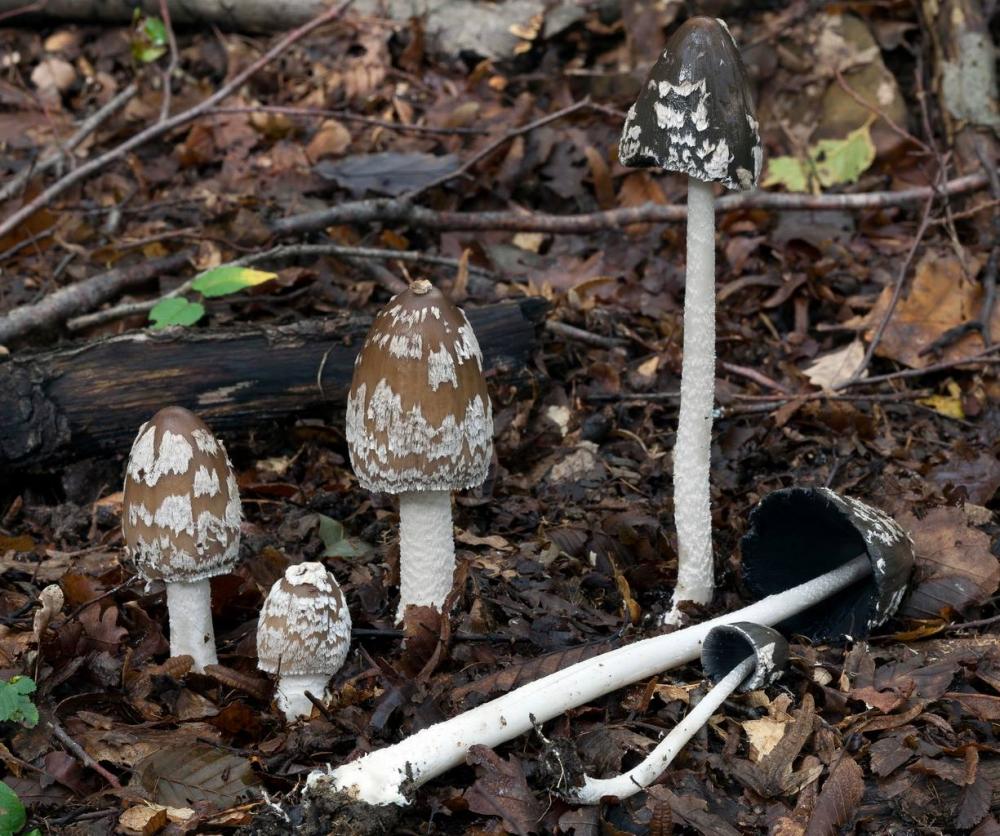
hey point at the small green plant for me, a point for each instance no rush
(150, 39)
(830, 162)
(220, 281)
(15, 707)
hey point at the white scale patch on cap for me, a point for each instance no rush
(174, 513)
(205, 483)
(441, 368)
(205, 441)
(467, 346)
(138, 513)
(143, 456)
(406, 346)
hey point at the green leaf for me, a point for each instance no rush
(844, 160)
(831, 162)
(788, 172)
(225, 280)
(12, 815)
(337, 544)
(175, 310)
(156, 30)
(15, 704)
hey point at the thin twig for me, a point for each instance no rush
(405, 212)
(277, 253)
(896, 293)
(87, 127)
(896, 129)
(490, 147)
(755, 376)
(168, 73)
(571, 332)
(81, 754)
(167, 125)
(984, 357)
(346, 116)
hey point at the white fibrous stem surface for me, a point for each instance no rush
(291, 693)
(641, 776)
(378, 778)
(426, 549)
(191, 633)
(692, 450)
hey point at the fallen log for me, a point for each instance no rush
(90, 399)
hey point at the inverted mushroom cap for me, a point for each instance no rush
(798, 534)
(695, 113)
(304, 626)
(418, 413)
(729, 644)
(181, 507)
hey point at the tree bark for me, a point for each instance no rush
(90, 399)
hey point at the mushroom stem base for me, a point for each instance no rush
(291, 693)
(692, 449)
(191, 631)
(381, 777)
(426, 549)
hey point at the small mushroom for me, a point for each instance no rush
(741, 656)
(695, 115)
(382, 776)
(181, 519)
(303, 635)
(420, 425)
(798, 534)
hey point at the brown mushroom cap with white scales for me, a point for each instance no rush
(181, 508)
(419, 416)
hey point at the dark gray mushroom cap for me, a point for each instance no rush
(728, 645)
(695, 113)
(797, 534)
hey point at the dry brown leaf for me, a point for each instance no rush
(636, 189)
(955, 568)
(502, 790)
(939, 298)
(838, 800)
(764, 734)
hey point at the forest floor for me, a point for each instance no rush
(569, 548)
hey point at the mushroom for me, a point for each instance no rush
(303, 635)
(742, 656)
(381, 776)
(181, 518)
(420, 425)
(695, 115)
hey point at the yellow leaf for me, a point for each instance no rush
(950, 405)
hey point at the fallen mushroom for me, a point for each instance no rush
(741, 656)
(420, 425)
(695, 115)
(855, 563)
(181, 518)
(303, 635)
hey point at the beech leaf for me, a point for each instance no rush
(838, 800)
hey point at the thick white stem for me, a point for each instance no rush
(692, 449)
(291, 693)
(191, 633)
(377, 778)
(426, 549)
(641, 776)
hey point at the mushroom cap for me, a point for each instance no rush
(729, 644)
(695, 113)
(181, 508)
(304, 625)
(419, 416)
(797, 534)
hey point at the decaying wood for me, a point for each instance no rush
(90, 399)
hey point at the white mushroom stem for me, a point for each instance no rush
(641, 776)
(291, 693)
(426, 549)
(692, 448)
(191, 633)
(379, 777)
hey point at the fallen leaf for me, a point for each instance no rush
(949, 405)
(974, 802)
(182, 776)
(143, 820)
(763, 734)
(829, 370)
(389, 172)
(838, 800)
(502, 790)
(954, 566)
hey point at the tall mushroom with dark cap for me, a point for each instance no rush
(181, 518)
(735, 657)
(695, 115)
(420, 425)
